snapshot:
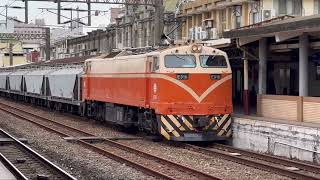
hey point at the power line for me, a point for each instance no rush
(67, 4)
(126, 2)
(71, 9)
(7, 6)
(11, 18)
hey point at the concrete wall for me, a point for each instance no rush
(277, 138)
(16, 60)
(307, 6)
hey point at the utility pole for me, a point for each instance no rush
(47, 48)
(10, 54)
(6, 15)
(6, 6)
(89, 14)
(26, 12)
(59, 11)
(71, 22)
(159, 22)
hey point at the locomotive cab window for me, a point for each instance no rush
(213, 61)
(155, 63)
(180, 61)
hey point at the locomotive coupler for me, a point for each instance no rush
(200, 122)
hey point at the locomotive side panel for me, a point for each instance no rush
(129, 90)
(121, 81)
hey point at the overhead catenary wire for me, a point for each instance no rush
(8, 6)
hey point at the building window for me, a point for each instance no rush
(316, 6)
(119, 36)
(317, 72)
(283, 7)
(255, 17)
(237, 13)
(290, 7)
(255, 8)
(222, 15)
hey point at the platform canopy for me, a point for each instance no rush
(281, 28)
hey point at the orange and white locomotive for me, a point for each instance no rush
(182, 93)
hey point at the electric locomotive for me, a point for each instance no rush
(182, 93)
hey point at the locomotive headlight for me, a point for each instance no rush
(182, 76)
(194, 48)
(215, 76)
(199, 48)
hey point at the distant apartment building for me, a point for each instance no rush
(36, 29)
(137, 25)
(18, 55)
(134, 28)
(59, 39)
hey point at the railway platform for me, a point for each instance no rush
(297, 140)
(5, 174)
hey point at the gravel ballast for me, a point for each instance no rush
(85, 164)
(78, 161)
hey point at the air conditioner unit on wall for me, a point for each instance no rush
(204, 35)
(212, 33)
(208, 23)
(268, 14)
(198, 32)
(192, 33)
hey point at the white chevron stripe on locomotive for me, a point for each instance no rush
(190, 90)
(173, 80)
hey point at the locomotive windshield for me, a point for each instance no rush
(212, 61)
(180, 61)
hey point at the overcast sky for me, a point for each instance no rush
(51, 19)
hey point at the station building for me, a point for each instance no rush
(273, 47)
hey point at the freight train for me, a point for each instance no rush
(182, 93)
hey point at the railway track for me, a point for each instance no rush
(285, 167)
(145, 162)
(25, 163)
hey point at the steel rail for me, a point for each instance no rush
(44, 119)
(133, 164)
(38, 156)
(15, 171)
(108, 154)
(270, 158)
(198, 174)
(250, 162)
